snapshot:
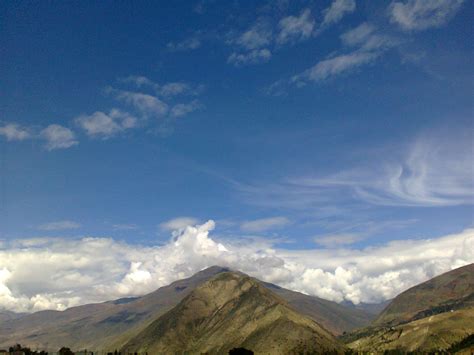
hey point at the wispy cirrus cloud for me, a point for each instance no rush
(185, 45)
(178, 223)
(59, 226)
(255, 56)
(362, 45)
(434, 170)
(264, 224)
(416, 15)
(295, 28)
(182, 109)
(337, 10)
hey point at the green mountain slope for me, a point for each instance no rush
(454, 289)
(233, 310)
(430, 334)
(433, 316)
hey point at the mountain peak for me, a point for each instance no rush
(232, 310)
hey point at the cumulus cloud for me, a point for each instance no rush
(58, 137)
(14, 132)
(294, 28)
(415, 15)
(178, 223)
(56, 273)
(59, 225)
(255, 56)
(263, 224)
(337, 10)
(100, 124)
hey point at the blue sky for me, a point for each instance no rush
(315, 124)
(324, 146)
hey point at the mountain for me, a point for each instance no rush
(6, 316)
(233, 310)
(110, 324)
(429, 317)
(371, 308)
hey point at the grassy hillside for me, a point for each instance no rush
(233, 310)
(452, 290)
(430, 334)
(436, 315)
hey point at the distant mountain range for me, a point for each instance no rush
(218, 309)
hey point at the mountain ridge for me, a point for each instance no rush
(103, 324)
(233, 310)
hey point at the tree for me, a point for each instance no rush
(65, 351)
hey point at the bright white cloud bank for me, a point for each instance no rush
(55, 273)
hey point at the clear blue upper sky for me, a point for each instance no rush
(318, 123)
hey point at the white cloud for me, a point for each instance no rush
(293, 28)
(172, 89)
(59, 225)
(369, 46)
(167, 90)
(14, 132)
(145, 103)
(337, 10)
(185, 45)
(358, 35)
(178, 223)
(259, 35)
(56, 273)
(58, 137)
(138, 80)
(100, 124)
(255, 56)
(423, 14)
(335, 66)
(180, 110)
(433, 170)
(264, 224)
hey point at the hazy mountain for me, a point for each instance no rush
(371, 308)
(431, 316)
(233, 310)
(6, 316)
(110, 324)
